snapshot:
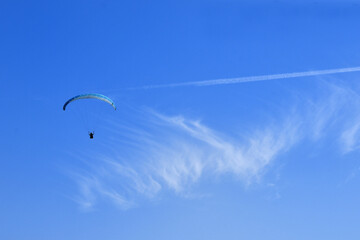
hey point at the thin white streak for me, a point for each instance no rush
(257, 78)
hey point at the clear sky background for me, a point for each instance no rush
(260, 160)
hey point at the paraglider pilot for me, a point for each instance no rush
(91, 134)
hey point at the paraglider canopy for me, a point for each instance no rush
(89, 96)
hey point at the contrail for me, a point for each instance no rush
(257, 78)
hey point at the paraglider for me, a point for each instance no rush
(90, 96)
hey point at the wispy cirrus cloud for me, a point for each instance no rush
(173, 153)
(350, 132)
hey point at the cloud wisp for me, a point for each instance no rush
(173, 155)
(258, 78)
(160, 154)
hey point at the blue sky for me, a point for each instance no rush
(272, 159)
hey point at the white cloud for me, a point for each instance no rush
(173, 153)
(350, 137)
(347, 102)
